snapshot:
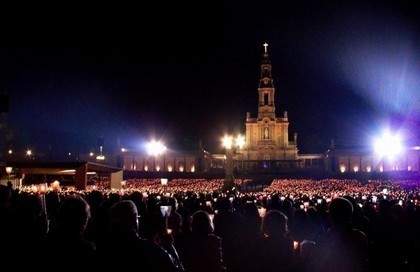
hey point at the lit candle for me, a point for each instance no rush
(261, 211)
(55, 185)
(42, 188)
(295, 245)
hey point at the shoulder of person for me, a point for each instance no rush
(359, 234)
(215, 237)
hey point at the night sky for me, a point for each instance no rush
(183, 73)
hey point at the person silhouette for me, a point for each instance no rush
(67, 237)
(342, 248)
(273, 251)
(201, 250)
(122, 243)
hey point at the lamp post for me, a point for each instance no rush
(9, 171)
(231, 148)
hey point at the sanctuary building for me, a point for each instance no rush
(267, 143)
(268, 147)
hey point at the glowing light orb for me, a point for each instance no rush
(155, 148)
(227, 142)
(389, 145)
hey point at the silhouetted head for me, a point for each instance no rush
(287, 205)
(95, 198)
(224, 204)
(201, 223)
(340, 210)
(123, 215)
(274, 223)
(73, 214)
(356, 207)
(251, 210)
(275, 199)
(384, 206)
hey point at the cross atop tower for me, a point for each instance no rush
(265, 47)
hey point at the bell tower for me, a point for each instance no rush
(266, 107)
(267, 136)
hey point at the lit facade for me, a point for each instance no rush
(269, 148)
(171, 161)
(366, 160)
(268, 143)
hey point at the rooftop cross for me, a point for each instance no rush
(265, 47)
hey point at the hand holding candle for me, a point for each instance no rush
(166, 212)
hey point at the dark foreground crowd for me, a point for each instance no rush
(195, 231)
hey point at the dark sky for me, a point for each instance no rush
(183, 73)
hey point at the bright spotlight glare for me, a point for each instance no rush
(227, 142)
(155, 148)
(240, 141)
(389, 145)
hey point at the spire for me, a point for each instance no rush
(266, 89)
(266, 80)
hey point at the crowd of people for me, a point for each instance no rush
(191, 225)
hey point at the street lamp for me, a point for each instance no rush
(9, 171)
(231, 147)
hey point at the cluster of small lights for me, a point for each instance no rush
(28, 152)
(228, 142)
(355, 168)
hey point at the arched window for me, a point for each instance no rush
(265, 98)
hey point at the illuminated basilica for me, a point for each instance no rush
(267, 136)
(268, 148)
